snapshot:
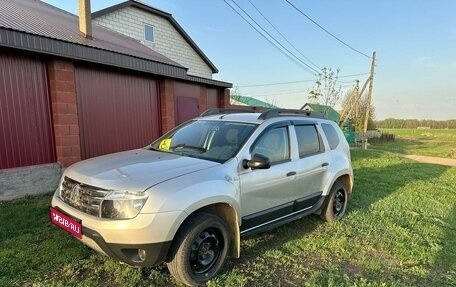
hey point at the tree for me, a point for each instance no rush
(235, 94)
(327, 91)
(357, 117)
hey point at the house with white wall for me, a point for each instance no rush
(157, 30)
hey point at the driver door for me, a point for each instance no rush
(267, 194)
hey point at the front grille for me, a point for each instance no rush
(83, 197)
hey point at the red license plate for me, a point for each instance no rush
(66, 222)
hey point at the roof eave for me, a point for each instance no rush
(50, 46)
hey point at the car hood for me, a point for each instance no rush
(134, 170)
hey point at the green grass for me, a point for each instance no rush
(400, 230)
(439, 143)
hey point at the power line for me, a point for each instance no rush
(273, 38)
(295, 82)
(288, 92)
(321, 27)
(276, 84)
(354, 75)
(298, 61)
(285, 38)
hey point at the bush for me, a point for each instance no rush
(385, 137)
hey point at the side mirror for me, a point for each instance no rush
(258, 161)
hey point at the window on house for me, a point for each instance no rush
(149, 33)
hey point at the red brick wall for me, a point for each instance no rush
(202, 99)
(225, 101)
(64, 111)
(167, 109)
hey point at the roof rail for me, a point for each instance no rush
(218, 111)
(272, 113)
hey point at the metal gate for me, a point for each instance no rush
(187, 101)
(26, 136)
(116, 111)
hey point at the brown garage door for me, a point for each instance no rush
(187, 101)
(116, 111)
(25, 118)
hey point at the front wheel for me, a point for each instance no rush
(200, 249)
(336, 204)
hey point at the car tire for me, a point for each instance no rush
(336, 204)
(200, 249)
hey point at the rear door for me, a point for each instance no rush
(312, 164)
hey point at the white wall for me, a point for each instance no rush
(168, 42)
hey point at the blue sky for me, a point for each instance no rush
(415, 41)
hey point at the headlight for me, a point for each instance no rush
(122, 204)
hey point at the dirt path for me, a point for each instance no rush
(430, 159)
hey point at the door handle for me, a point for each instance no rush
(291, 173)
(324, 164)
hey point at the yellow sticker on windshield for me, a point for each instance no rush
(165, 144)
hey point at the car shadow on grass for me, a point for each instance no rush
(378, 174)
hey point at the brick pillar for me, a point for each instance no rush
(64, 111)
(225, 98)
(167, 106)
(202, 99)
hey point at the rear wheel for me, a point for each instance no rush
(336, 203)
(200, 249)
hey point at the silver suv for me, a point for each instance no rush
(188, 197)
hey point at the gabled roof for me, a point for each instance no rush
(168, 16)
(331, 113)
(35, 26)
(249, 101)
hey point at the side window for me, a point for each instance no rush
(274, 144)
(308, 140)
(331, 135)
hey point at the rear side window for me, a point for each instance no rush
(308, 140)
(331, 135)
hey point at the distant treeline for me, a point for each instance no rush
(415, 124)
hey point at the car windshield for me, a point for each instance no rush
(211, 140)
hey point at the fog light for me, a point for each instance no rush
(142, 254)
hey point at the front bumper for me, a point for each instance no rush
(147, 234)
(155, 253)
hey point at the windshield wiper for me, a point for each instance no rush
(180, 147)
(151, 147)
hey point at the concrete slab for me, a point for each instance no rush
(38, 179)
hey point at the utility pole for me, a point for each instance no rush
(369, 100)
